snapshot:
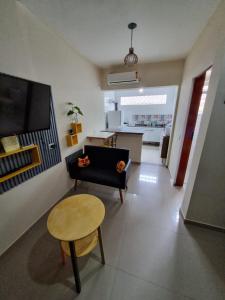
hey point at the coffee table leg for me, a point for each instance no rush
(75, 266)
(101, 245)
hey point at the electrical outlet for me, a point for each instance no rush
(51, 146)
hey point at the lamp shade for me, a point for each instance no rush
(131, 58)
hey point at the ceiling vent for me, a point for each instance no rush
(123, 78)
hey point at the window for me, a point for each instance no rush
(144, 100)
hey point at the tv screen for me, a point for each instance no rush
(24, 105)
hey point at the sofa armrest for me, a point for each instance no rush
(71, 162)
(128, 166)
(128, 170)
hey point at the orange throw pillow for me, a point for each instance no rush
(83, 162)
(120, 166)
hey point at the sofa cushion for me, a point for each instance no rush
(120, 166)
(102, 157)
(83, 162)
(99, 175)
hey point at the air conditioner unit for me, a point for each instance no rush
(122, 78)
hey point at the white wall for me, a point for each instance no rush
(151, 74)
(29, 49)
(208, 50)
(202, 56)
(207, 203)
(163, 109)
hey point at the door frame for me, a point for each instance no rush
(198, 83)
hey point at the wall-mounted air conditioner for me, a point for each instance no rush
(122, 78)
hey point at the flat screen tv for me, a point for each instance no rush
(24, 105)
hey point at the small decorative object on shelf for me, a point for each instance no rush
(10, 143)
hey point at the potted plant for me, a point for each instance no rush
(73, 112)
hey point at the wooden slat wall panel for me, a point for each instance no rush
(49, 157)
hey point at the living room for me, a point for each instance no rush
(149, 251)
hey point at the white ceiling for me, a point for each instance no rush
(167, 29)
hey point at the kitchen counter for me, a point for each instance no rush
(100, 138)
(146, 126)
(131, 139)
(129, 130)
(101, 135)
(152, 134)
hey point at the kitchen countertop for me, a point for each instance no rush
(101, 135)
(145, 126)
(129, 130)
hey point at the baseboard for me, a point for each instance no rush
(201, 224)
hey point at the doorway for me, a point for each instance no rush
(150, 110)
(199, 93)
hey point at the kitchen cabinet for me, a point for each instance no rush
(152, 134)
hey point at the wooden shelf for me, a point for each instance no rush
(76, 127)
(82, 246)
(71, 139)
(36, 161)
(26, 148)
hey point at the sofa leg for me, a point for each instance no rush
(121, 196)
(75, 185)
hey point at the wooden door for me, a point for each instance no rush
(190, 127)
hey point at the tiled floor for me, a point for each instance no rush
(151, 154)
(150, 254)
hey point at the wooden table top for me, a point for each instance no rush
(75, 217)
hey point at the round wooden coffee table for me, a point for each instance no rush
(76, 222)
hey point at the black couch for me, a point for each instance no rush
(102, 169)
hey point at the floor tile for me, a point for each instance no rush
(151, 154)
(173, 261)
(132, 288)
(150, 253)
(96, 283)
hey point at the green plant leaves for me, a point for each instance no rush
(78, 110)
(74, 109)
(70, 112)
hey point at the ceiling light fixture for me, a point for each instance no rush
(131, 58)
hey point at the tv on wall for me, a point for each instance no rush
(24, 105)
